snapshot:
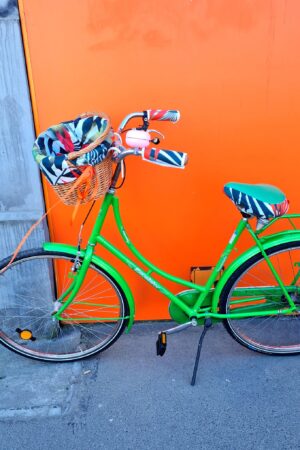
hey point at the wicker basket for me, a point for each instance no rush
(97, 187)
(98, 184)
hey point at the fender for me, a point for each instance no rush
(267, 242)
(99, 262)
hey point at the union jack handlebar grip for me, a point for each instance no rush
(163, 114)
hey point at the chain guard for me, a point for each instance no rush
(188, 297)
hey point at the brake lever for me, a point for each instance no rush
(158, 132)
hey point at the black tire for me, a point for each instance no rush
(275, 334)
(28, 293)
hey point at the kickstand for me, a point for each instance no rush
(207, 325)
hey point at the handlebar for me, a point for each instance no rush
(162, 157)
(170, 115)
(163, 114)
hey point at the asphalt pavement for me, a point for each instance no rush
(128, 398)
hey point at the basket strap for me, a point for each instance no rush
(85, 177)
(26, 236)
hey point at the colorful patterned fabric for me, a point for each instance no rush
(255, 207)
(52, 146)
(169, 158)
(163, 114)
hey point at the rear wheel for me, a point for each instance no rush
(28, 291)
(253, 288)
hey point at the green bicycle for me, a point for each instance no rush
(81, 304)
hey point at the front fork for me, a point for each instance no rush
(68, 296)
(80, 272)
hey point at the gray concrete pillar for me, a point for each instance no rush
(21, 198)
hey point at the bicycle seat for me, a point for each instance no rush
(262, 201)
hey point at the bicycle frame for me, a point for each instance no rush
(195, 311)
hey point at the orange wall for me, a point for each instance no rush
(232, 67)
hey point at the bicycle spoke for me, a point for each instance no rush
(275, 333)
(89, 324)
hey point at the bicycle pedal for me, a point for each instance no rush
(161, 343)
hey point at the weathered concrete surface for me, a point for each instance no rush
(129, 398)
(21, 200)
(29, 389)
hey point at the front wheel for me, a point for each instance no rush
(28, 291)
(253, 289)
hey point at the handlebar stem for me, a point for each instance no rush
(118, 159)
(125, 153)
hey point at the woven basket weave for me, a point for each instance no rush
(99, 184)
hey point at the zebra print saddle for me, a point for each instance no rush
(262, 201)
